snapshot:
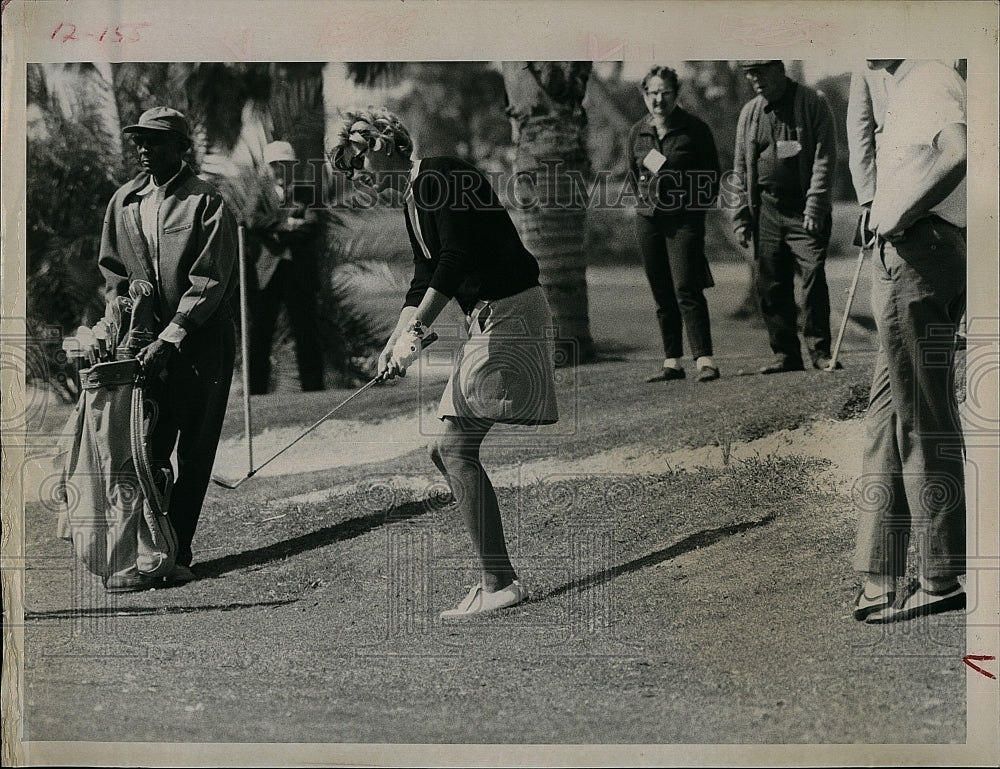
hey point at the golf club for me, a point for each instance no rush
(847, 311)
(865, 241)
(424, 343)
(244, 340)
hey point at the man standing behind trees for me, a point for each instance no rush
(284, 241)
(786, 154)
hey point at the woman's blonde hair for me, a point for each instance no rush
(378, 128)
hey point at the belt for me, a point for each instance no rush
(480, 312)
(935, 219)
(930, 219)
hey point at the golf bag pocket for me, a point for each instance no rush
(114, 498)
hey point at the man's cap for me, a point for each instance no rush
(161, 119)
(754, 63)
(277, 151)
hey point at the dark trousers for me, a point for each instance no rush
(191, 404)
(289, 288)
(783, 249)
(673, 253)
(913, 485)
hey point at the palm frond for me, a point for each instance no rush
(374, 73)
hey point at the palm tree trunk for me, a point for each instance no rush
(550, 130)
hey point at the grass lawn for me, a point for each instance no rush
(669, 605)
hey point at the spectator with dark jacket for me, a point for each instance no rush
(673, 158)
(786, 153)
(284, 241)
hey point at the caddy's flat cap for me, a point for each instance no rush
(753, 63)
(161, 119)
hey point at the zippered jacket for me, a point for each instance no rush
(193, 264)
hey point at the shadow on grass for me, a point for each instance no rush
(145, 611)
(686, 545)
(338, 532)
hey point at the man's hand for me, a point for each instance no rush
(811, 224)
(892, 228)
(864, 237)
(154, 356)
(890, 225)
(743, 235)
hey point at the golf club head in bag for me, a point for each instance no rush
(117, 314)
(426, 342)
(74, 352)
(101, 334)
(142, 323)
(88, 342)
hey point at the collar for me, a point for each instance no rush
(414, 170)
(676, 120)
(903, 70)
(786, 98)
(146, 185)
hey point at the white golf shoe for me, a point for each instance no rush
(478, 601)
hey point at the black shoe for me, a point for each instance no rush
(916, 601)
(781, 365)
(133, 583)
(181, 575)
(822, 362)
(666, 374)
(707, 374)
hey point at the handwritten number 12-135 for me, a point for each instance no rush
(122, 33)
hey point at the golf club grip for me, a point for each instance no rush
(425, 342)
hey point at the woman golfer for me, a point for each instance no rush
(465, 247)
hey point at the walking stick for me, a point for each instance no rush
(245, 341)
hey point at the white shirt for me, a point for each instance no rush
(924, 97)
(152, 196)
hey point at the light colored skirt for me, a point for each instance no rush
(505, 372)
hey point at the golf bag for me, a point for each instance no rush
(115, 500)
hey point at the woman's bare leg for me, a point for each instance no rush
(457, 456)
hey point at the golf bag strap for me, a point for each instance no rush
(143, 466)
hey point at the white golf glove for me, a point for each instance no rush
(407, 348)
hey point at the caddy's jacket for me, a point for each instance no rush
(193, 267)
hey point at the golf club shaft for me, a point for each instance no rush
(245, 341)
(424, 343)
(847, 309)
